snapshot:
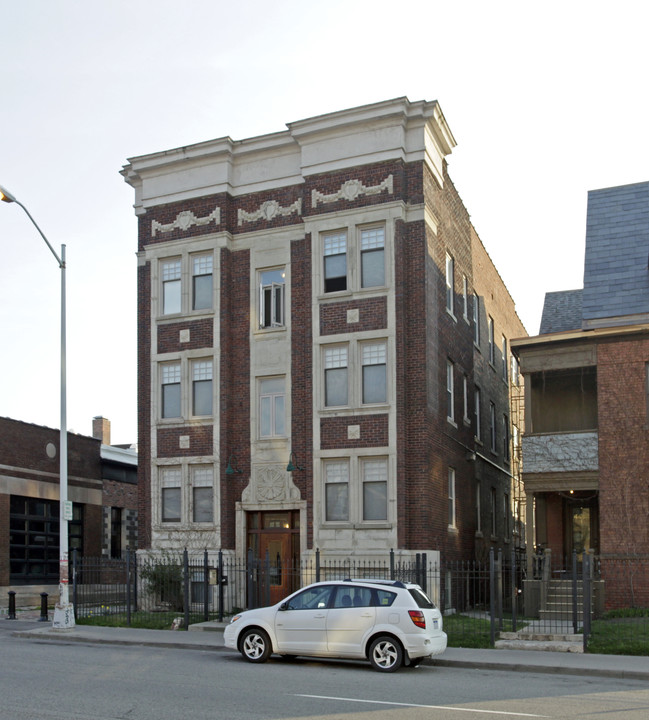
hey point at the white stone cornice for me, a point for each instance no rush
(350, 190)
(185, 219)
(268, 210)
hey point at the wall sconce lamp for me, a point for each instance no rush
(229, 470)
(290, 467)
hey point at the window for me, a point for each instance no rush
(450, 394)
(335, 262)
(202, 494)
(355, 489)
(492, 426)
(116, 532)
(272, 417)
(506, 516)
(312, 598)
(506, 438)
(515, 370)
(171, 496)
(504, 357)
(374, 373)
(492, 348)
(201, 282)
(171, 504)
(171, 287)
(202, 387)
(516, 442)
(450, 284)
(271, 298)
(477, 410)
(465, 399)
(33, 535)
(336, 477)
(478, 506)
(465, 298)
(375, 489)
(476, 320)
(171, 390)
(494, 525)
(372, 257)
(335, 376)
(451, 497)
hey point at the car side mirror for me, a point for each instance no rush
(283, 606)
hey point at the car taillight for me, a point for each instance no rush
(417, 616)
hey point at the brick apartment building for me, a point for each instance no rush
(586, 449)
(102, 485)
(323, 345)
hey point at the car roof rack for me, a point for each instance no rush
(377, 581)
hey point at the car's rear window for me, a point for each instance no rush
(384, 598)
(420, 597)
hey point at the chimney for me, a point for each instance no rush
(101, 429)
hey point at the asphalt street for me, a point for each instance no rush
(101, 673)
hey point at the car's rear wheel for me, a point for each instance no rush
(386, 654)
(255, 645)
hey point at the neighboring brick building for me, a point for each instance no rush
(308, 300)
(586, 450)
(102, 485)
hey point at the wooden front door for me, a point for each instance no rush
(276, 535)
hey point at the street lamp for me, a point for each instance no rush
(64, 610)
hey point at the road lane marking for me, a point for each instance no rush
(415, 705)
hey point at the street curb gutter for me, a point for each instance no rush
(488, 664)
(545, 669)
(62, 637)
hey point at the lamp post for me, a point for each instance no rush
(64, 611)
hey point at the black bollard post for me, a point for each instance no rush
(43, 617)
(12, 605)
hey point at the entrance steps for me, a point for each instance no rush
(554, 642)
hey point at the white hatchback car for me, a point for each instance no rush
(388, 622)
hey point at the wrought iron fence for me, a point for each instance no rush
(595, 599)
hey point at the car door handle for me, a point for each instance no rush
(319, 616)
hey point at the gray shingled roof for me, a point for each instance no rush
(561, 311)
(616, 268)
(616, 274)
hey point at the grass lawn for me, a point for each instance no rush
(470, 632)
(142, 620)
(626, 636)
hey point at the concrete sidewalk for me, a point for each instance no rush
(209, 637)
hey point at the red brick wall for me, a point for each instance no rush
(201, 335)
(200, 441)
(23, 445)
(302, 372)
(120, 494)
(623, 447)
(167, 214)
(368, 175)
(373, 432)
(4, 539)
(372, 313)
(144, 398)
(234, 392)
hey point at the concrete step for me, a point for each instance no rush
(565, 615)
(541, 636)
(548, 645)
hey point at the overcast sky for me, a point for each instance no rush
(546, 101)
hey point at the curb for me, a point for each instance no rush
(491, 663)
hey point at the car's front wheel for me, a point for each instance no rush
(255, 645)
(386, 654)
